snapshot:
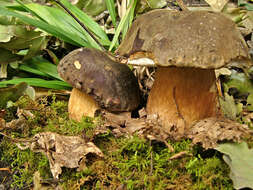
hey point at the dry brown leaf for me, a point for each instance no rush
(123, 124)
(208, 132)
(63, 151)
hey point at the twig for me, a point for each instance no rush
(101, 15)
(182, 5)
(6, 169)
(179, 155)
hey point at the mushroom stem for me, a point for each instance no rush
(180, 96)
(81, 104)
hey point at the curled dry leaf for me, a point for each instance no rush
(208, 132)
(63, 151)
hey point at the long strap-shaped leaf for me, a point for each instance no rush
(91, 24)
(53, 30)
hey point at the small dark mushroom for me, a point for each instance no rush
(187, 47)
(98, 82)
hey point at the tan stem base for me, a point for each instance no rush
(180, 96)
(81, 104)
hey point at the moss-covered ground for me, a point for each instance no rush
(129, 163)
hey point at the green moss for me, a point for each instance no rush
(134, 162)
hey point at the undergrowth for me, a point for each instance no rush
(129, 163)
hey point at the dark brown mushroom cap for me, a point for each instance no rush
(185, 39)
(112, 85)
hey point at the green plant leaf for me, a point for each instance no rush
(12, 93)
(40, 66)
(21, 38)
(54, 84)
(6, 33)
(240, 160)
(91, 7)
(56, 17)
(229, 107)
(6, 56)
(122, 24)
(89, 23)
(250, 102)
(110, 4)
(243, 3)
(53, 30)
(240, 81)
(36, 46)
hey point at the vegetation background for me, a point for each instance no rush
(35, 35)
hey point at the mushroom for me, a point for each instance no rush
(98, 83)
(187, 47)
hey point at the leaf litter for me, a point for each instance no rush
(207, 132)
(62, 151)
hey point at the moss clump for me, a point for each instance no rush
(133, 163)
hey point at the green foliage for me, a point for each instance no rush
(240, 160)
(56, 22)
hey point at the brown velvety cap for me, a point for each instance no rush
(112, 85)
(185, 39)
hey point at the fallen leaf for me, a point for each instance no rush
(123, 124)
(63, 151)
(240, 160)
(208, 132)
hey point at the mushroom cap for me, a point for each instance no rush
(185, 39)
(112, 85)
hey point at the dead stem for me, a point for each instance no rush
(182, 5)
(179, 155)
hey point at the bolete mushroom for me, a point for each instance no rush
(187, 47)
(98, 82)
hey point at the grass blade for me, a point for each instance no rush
(41, 66)
(53, 30)
(54, 84)
(122, 23)
(89, 23)
(110, 4)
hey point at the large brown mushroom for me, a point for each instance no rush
(187, 47)
(98, 82)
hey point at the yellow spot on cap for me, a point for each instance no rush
(77, 64)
